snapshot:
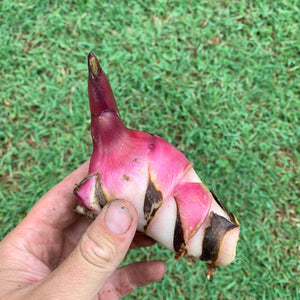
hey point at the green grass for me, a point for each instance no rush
(218, 79)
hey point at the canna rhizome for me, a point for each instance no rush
(174, 207)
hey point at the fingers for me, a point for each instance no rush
(55, 208)
(127, 279)
(97, 255)
(76, 230)
(73, 234)
(141, 240)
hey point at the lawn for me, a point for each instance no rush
(218, 79)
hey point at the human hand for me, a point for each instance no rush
(54, 253)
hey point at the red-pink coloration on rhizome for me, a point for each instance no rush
(174, 207)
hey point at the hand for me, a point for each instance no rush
(54, 253)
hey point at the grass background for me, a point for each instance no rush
(218, 79)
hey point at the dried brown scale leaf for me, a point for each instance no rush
(153, 200)
(99, 195)
(214, 234)
(178, 240)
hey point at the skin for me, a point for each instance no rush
(55, 253)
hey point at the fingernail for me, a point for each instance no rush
(117, 218)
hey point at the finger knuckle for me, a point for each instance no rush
(99, 253)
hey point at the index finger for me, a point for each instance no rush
(56, 207)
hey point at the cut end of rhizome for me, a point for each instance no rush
(226, 252)
(220, 237)
(228, 246)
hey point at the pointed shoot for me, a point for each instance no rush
(100, 93)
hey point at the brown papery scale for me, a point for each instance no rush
(174, 207)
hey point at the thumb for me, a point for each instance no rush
(97, 255)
